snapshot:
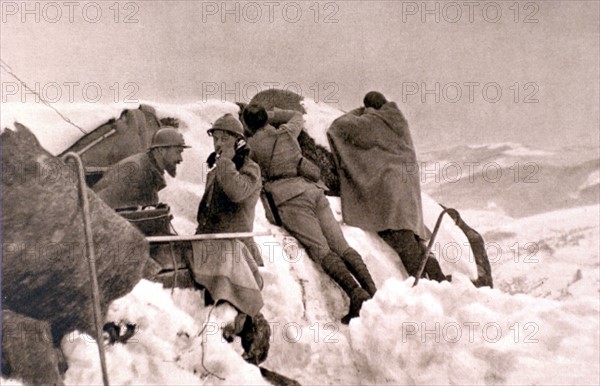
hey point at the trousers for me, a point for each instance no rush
(309, 219)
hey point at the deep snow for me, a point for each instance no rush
(538, 326)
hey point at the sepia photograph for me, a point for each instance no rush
(306, 192)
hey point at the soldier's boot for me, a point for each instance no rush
(432, 267)
(334, 266)
(359, 269)
(255, 333)
(256, 339)
(406, 246)
(434, 270)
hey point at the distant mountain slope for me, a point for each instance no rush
(515, 179)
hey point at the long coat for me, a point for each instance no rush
(229, 201)
(379, 174)
(230, 197)
(133, 181)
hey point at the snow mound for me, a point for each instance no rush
(436, 334)
(168, 347)
(54, 133)
(317, 120)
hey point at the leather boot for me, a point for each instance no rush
(432, 267)
(434, 271)
(408, 247)
(357, 297)
(334, 266)
(255, 339)
(359, 269)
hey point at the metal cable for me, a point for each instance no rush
(8, 69)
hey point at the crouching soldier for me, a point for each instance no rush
(136, 180)
(232, 190)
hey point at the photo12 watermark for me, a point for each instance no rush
(468, 332)
(470, 12)
(469, 92)
(71, 253)
(519, 252)
(453, 172)
(69, 92)
(70, 11)
(325, 92)
(290, 332)
(271, 250)
(270, 11)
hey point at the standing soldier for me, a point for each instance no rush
(374, 153)
(232, 187)
(228, 204)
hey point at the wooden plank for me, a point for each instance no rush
(205, 236)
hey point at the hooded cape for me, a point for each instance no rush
(379, 174)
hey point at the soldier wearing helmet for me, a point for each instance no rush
(167, 147)
(136, 180)
(232, 191)
(232, 186)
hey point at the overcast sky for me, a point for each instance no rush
(544, 52)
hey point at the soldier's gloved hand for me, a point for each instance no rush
(212, 159)
(242, 151)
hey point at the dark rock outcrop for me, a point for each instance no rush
(45, 270)
(27, 350)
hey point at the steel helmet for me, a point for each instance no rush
(167, 137)
(229, 124)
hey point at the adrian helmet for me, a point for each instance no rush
(167, 137)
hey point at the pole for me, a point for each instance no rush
(91, 260)
(430, 245)
(205, 236)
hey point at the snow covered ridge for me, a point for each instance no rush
(51, 130)
(512, 177)
(514, 148)
(523, 332)
(592, 181)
